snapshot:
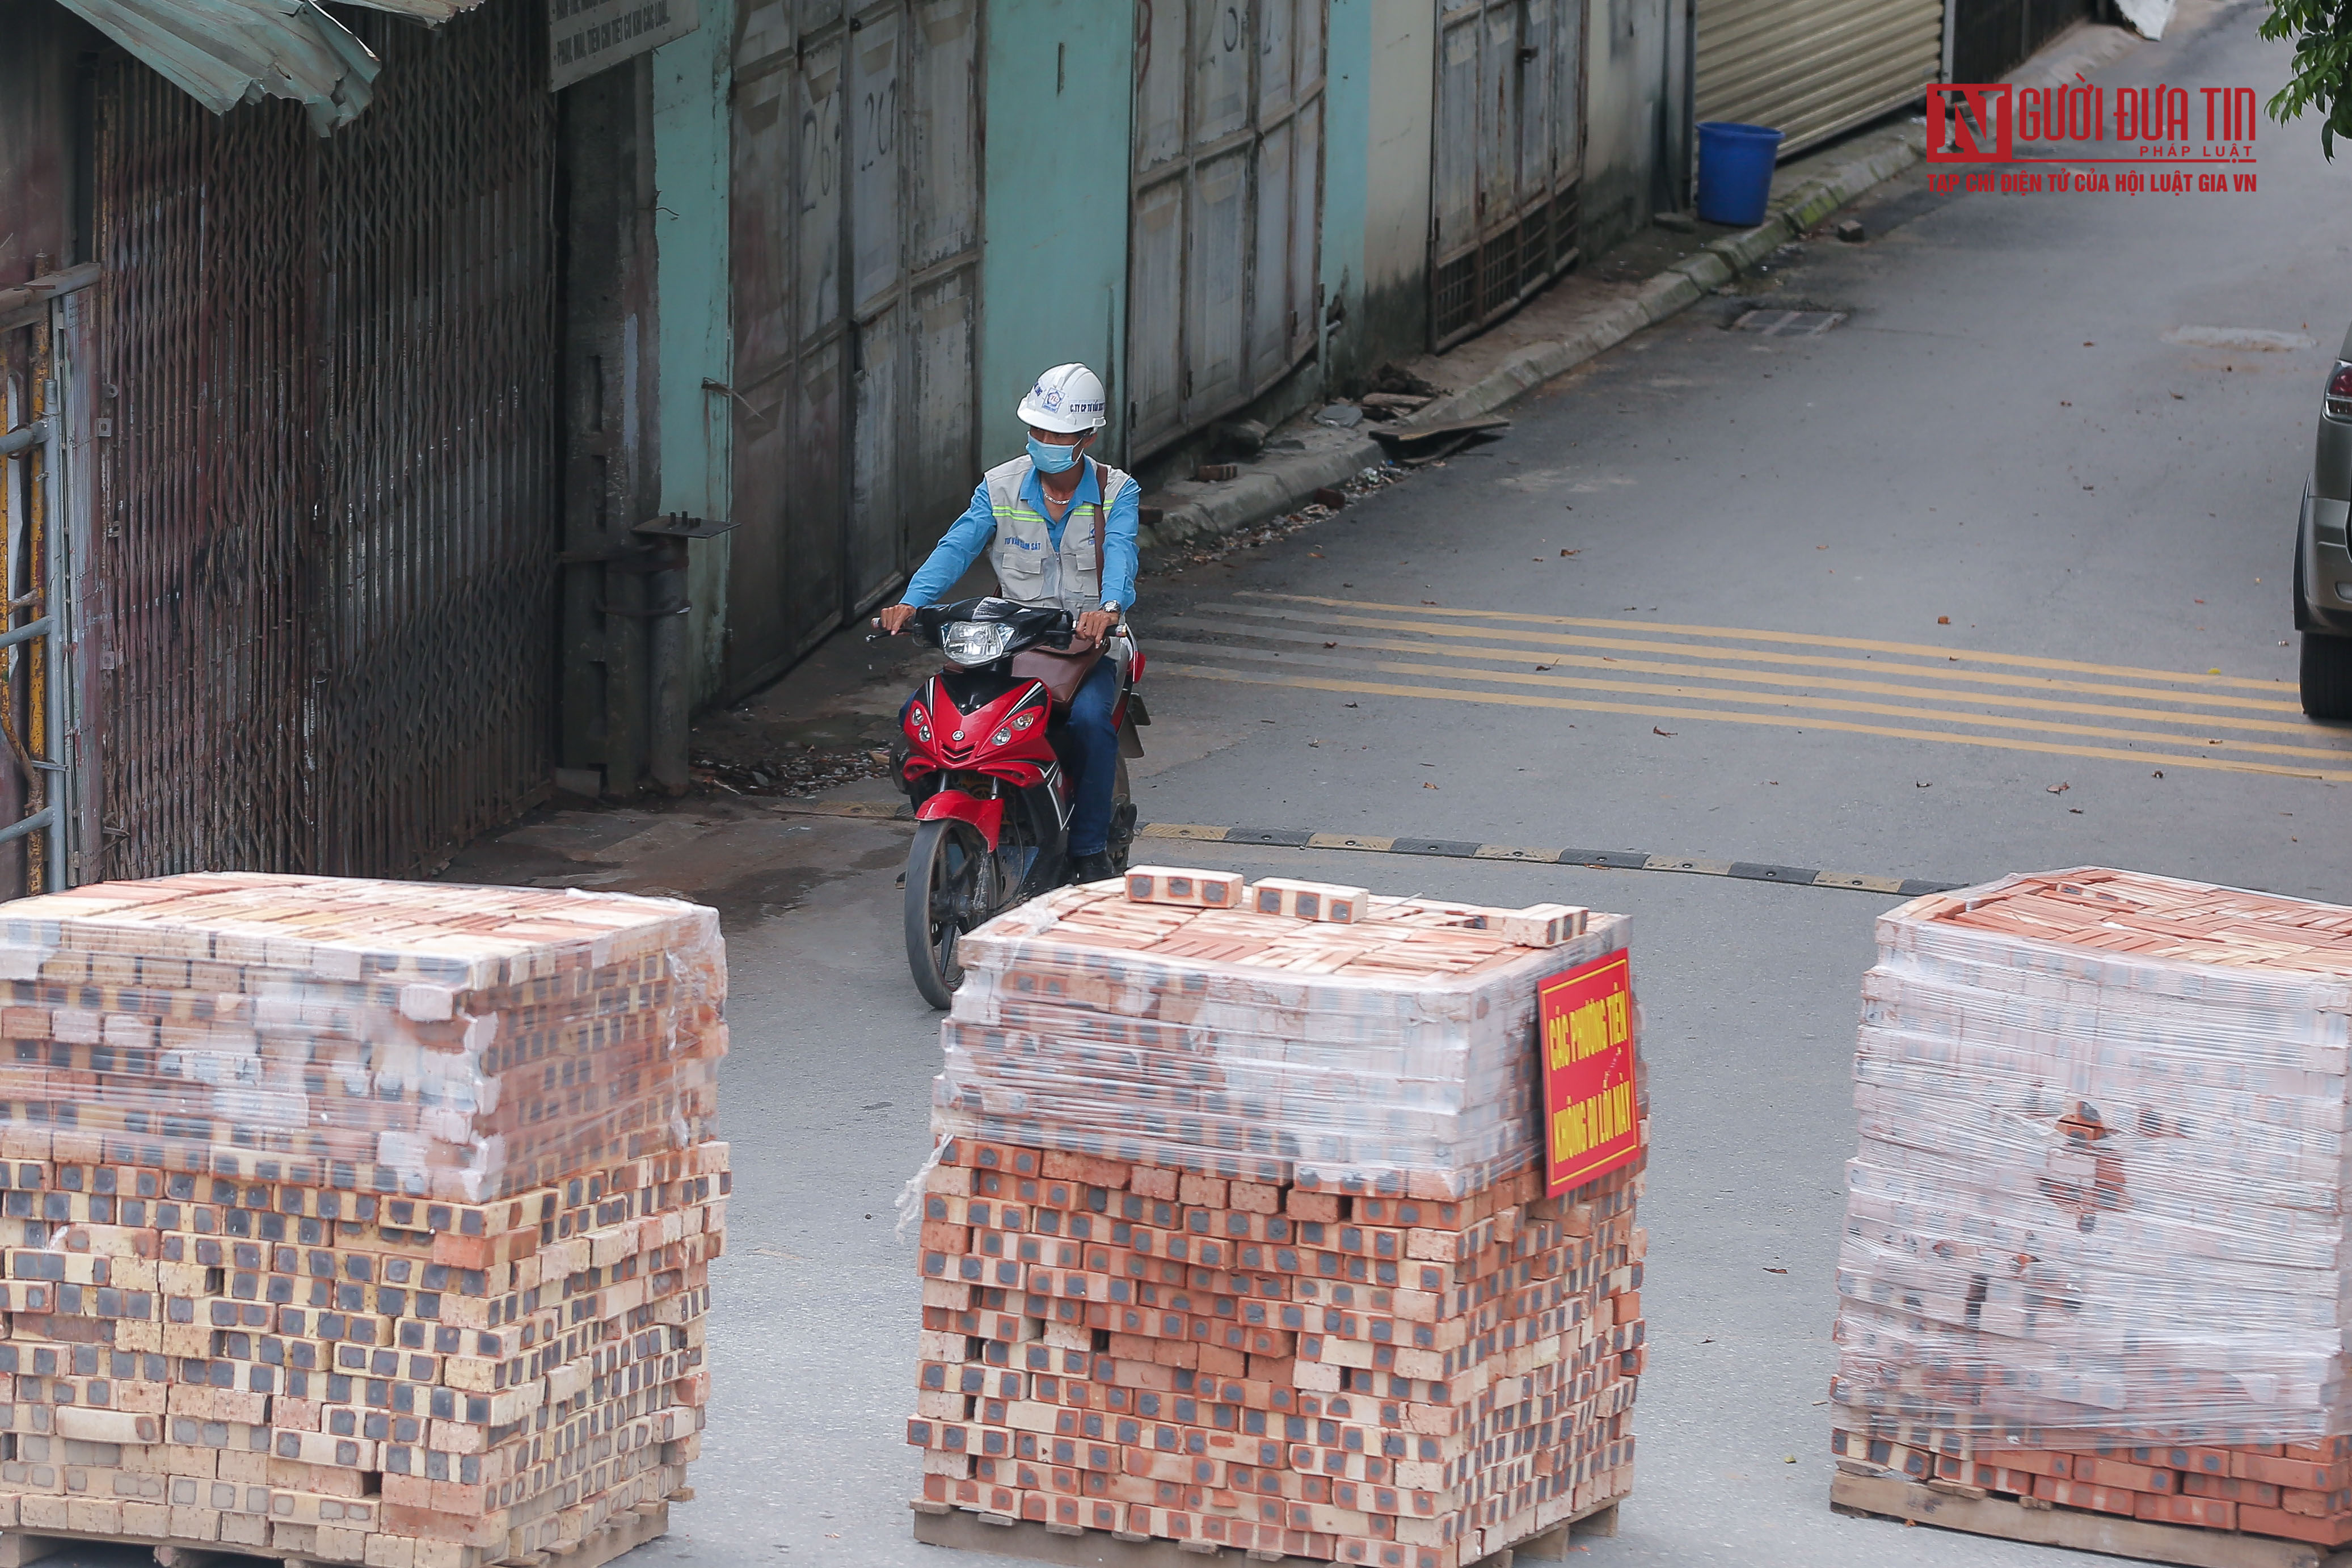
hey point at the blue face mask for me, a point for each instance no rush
(1051, 458)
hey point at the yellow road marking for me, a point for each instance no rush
(1694, 650)
(1812, 704)
(1865, 884)
(1996, 742)
(2025, 661)
(1510, 852)
(1674, 863)
(1349, 841)
(1179, 831)
(1645, 667)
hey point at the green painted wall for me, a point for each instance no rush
(1053, 267)
(692, 78)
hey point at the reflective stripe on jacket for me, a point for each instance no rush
(1029, 570)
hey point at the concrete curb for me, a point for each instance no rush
(1270, 485)
(1278, 482)
(1684, 282)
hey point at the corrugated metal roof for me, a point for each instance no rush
(223, 53)
(433, 11)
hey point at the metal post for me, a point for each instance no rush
(80, 841)
(666, 670)
(1688, 187)
(624, 610)
(34, 445)
(661, 568)
(40, 684)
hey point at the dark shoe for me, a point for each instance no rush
(1095, 867)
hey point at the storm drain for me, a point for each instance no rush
(1788, 324)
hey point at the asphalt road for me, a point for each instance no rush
(1990, 577)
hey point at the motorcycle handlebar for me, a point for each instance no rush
(1065, 629)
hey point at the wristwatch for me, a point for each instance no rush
(1111, 606)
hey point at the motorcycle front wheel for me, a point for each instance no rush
(949, 889)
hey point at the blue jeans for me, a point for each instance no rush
(1093, 753)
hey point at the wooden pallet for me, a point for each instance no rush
(627, 1531)
(621, 1534)
(1969, 1508)
(939, 1525)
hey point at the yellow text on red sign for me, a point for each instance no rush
(1590, 1124)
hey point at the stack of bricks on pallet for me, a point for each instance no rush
(1392, 1055)
(356, 1221)
(1237, 1234)
(2094, 1251)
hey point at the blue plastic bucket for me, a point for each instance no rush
(1735, 171)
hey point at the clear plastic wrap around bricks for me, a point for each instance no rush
(1393, 1057)
(2100, 1194)
(455, 1043)
(356, 1222)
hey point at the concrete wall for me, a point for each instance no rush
(1053, 267)
(1376, 212)
(1400, 40)
(1629, 98)
(691, 79)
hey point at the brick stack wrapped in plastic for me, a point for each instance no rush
(1238, 1236)
(360, 1222)
(2094, 1247)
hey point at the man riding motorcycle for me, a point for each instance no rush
(1019, 515)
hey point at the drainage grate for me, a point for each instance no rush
(1788, 324)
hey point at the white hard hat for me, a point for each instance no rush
(1068, 398)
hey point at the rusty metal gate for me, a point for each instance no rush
(323, 576)
(1225, 211)
(1510, 152)
(855, 254)
(40, 402)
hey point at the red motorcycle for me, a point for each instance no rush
(980, 761)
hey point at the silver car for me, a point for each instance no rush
(2323, 564)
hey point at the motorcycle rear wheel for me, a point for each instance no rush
(951, 880)
(1122, 820)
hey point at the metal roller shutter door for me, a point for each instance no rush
(1814, 68)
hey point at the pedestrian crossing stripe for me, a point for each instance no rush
(1815, 704)
(2014, 703)
(1776, 720)
(2020, 661)
(2283, 725)
(1952, 667)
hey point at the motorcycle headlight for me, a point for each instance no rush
(975, 642)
